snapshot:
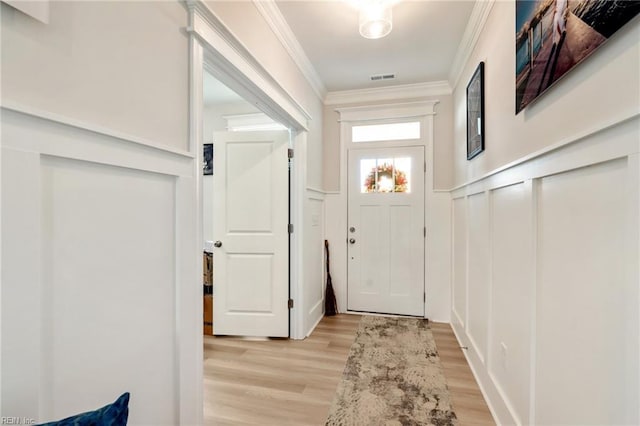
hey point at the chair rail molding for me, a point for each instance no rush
(585, 134)
(90, 127)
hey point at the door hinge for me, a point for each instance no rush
(290, 228)
(290, 153)
(424, 297)
(425, 167)
(290, 303)
(425, 231)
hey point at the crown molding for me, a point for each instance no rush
(388, 93)
(476, 23)
(272, 15)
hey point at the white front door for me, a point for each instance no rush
(385, 234)
(251, 266)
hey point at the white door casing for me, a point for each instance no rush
(437, 203)
(385, 236)
(251, 267)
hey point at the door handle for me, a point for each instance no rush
(218, 243)
(352, 240)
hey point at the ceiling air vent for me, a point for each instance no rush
(379, 77)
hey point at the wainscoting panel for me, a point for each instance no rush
(546, 282)
(460, 261)
(336, 234)
(99, 276)
(91, 214)
(511, 294)
(584, 303)
(438, 255)
(478, 275)
(314, 260)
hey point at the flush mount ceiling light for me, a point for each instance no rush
(375, 18)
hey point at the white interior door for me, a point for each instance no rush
(251, 266)
(385, 233)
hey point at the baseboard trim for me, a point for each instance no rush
(314, 326)
(500, 420)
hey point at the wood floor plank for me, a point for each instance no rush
(468, 402)
(279, 382)
(293, 382)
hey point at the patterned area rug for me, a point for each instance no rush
(393, 376)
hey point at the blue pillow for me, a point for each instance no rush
(115, 414)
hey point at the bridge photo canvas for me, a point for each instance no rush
(553, 36)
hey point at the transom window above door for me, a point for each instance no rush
(385, 175)
(386, 132)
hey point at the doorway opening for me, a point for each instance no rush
(246, 212)
(214, 49)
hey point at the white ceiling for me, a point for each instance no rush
(421, 47)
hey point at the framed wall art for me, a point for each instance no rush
(553, 36)
(475, 113)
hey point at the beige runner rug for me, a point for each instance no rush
(393, 376)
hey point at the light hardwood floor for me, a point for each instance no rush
(289, 382)
(468, 402)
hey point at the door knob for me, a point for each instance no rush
(218, 243)
(352, 240)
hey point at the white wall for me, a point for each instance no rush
(99, 275)
(587, 98)
(546, 248)
(96, 63)
(246, 23)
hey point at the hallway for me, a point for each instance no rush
(288, 382)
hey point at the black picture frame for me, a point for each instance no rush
(207, 159)
(475, 113)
